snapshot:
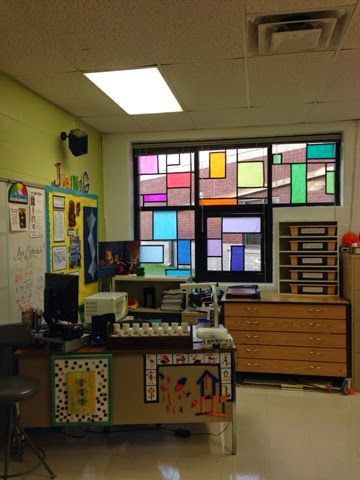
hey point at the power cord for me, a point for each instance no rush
(178, 432)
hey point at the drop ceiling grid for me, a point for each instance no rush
(166, 122)
(271, 115)
(113, 123)
(73, 91)
(278, 6)
(287, 79)
(334, 111)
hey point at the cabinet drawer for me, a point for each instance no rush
(292, 367)
(285, 310)
(285, 324)
(292, 353)
(294, 339)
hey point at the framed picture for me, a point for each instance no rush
(81, 386)
(58, 202)
(59, 259)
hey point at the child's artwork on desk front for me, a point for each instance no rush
(196, 382)
(81, 389)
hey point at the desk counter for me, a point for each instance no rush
(192, 385)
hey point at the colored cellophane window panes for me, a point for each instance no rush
(321, 151)
(166, 179)
(165, 254)
(252, 175)
(299, 183)
(165, 225)
(321, 172)
(234, 243)
(186, 224)
(330, 180)
(306, 174)
(146, 225)
(290, 153)
(242, 244)
(155, 256)
(180, 179)
(214, 244)
(217, 174)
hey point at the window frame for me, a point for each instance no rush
(201, 272)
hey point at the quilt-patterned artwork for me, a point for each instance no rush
(81, 389)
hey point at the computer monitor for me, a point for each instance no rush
(61, 298)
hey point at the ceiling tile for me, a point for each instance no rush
(194, 30)
(92, 35)
(343, 82)
(23, 49)
(219, 84)
(113, 124)
(281, 79)
(334, 111)
(72, 92)
(352, 34)
(166, 122)
(250, 116)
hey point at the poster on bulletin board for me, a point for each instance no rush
(72, 224)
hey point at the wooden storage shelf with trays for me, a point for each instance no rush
(135, 287)
(308, 258)
(288, 334)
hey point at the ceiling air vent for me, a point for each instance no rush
(296, 32)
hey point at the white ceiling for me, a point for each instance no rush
(201, 49)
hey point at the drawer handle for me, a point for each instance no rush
(311, 324)
(251, 336)
(251, 349)
(317, 339)
(317, 367)
(249, 364)
(315, 310)
(251, 309)
(248, 322)
(318, 354)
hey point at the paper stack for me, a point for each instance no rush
(172, 300)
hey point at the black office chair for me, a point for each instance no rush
(14, 389)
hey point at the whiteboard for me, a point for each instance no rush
(22, 257)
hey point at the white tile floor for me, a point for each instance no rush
(282, 435)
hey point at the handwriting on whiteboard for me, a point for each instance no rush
(26, 253)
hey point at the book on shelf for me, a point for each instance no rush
(172, 308)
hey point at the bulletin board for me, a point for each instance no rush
(22, 252)
(72, 229)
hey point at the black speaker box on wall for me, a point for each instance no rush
(78, 142)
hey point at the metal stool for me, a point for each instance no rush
(14, 389)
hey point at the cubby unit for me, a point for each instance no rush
(308, 258)
(148, 292)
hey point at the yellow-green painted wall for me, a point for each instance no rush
(30, 143)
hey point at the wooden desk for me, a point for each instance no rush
(128, 387)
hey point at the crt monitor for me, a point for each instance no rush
(61, 298)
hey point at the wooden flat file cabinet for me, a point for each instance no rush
(278, 335)
(351, 290)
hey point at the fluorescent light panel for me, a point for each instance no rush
(138, 91)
